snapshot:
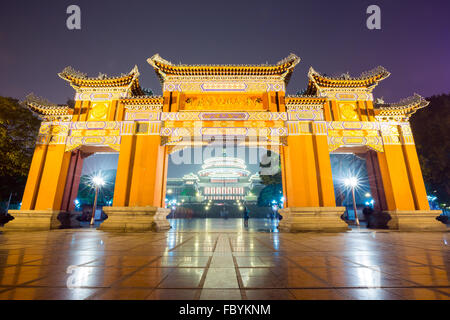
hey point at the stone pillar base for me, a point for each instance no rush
(301, 219)
(415, 220)
(33, 220)
(135, 219)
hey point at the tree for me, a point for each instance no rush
(271, 179)
(270, 168)
(270, 193)
(432, 138)
(189, 191)
(273, 189)
(18, 131)
(70, 103)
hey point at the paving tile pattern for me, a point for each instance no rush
(224, 264)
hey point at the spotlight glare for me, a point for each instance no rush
(351, 182)
(98, 181)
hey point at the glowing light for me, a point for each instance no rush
(170, 191)
(98, 181)
(367, 195)
(351, 182)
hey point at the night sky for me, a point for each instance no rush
(413, 43)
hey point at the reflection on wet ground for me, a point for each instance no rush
(227, 225)
(223, 260)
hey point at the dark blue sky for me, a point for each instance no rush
(331, 36)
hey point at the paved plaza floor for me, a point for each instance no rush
(222, 259)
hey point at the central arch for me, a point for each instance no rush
(220, 185)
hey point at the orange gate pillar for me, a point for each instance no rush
(148, 171)
(393, 171)
(53, 180)
(309, 192)
(403, 182)
(44, 191)
(34, 177)
(140, 184)
(413, 168)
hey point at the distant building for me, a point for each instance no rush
(221, 178)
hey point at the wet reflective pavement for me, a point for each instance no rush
(223, 225)
(222, 259)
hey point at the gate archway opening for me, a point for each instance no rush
(86, 165)
(358, 163)
(218, 186)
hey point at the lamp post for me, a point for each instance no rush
(9, 202)
(98, 182)
(352, 182)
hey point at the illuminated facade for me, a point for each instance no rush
(244, 103)
(221, 178)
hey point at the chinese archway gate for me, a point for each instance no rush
(245, 102)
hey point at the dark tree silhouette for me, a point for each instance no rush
(18, 132)
(431, 130)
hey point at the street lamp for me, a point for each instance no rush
(352, 182)
(98, 182)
